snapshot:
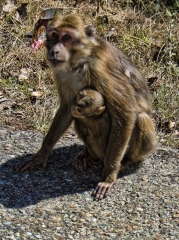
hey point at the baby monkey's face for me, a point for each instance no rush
(88, 102)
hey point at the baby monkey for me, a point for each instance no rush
(92, 124)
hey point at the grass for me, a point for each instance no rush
(150, 38)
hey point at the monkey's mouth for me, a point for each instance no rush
(56, 61)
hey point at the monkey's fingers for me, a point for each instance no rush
(79, 163)
(84, 163)
(102, 190)
(29, 162)
(80, 160)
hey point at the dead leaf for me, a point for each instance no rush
(17, 17)
(1, 107)
(24, 74)
(18, 112)
(1, 94)
(37, 94)
(170, 125)
(4, 106)
(9, 7)
(14, 73)
(3, 99)
(176, 133)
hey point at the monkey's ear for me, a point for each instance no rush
(90, 30)
(48, 25)
(100, 110)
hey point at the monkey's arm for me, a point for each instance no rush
(117, 146)
(61, 122)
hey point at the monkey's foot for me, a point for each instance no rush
(30, 162)
(102, 190)
(80, 161)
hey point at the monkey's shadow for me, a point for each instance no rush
(58, 179)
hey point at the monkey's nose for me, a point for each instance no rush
(55, 52)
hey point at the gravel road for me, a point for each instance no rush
(56, 202)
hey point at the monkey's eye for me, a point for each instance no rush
(79, 110)
(87, 104)
(66, 37)
(81, 105)
(55, 35)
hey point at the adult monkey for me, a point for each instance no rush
(79, 59)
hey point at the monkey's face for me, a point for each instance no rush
(68, 41)
(88, 103)
(81, 107)
(77, 112)
(59, 44)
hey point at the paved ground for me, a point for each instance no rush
(55, 203)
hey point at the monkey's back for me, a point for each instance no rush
(114, 75)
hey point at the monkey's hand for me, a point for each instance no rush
(80, 161)
(32, 161)
(102, 190)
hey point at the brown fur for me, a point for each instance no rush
(92, 124)
(79, 59)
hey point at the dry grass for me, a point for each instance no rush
(150, 39)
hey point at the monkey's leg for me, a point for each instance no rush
(104, 188)
(117, 146)
(143, 141)
(61, 122)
